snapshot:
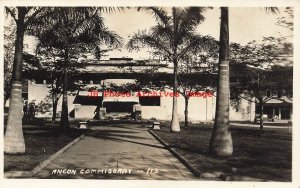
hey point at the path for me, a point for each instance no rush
(117, 152)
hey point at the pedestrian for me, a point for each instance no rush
(97, 113)
(25, 110)
(32, 109)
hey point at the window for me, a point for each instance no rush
(149, 100)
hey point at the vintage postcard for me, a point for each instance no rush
(195, 93)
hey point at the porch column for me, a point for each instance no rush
(279, 109)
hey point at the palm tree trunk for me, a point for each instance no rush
(55, 98)
(6, 97)
(64, 119)
(175, 127)
(14, 139)
(261, 122)
(186, 112)
(221, 141)
(54, 110)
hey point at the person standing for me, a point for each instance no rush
(32, 109)
(25, 110)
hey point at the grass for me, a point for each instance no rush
(268, 157)
(41, 142)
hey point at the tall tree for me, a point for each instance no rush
(52, 65)
(195, 76)
(172, 37)
(73, 31)
(265, 66)
(9, 37)
(221, 141)
(13, 139)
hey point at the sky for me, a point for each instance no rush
(245, 25)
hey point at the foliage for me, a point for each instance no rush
(9, 37)
(264, 66)
(287, 20)
(78, 29)
(174, 35)
(30, 14)
(196, 74)
(30, 62)
(172, 38)
(14, 139)
(198, 71)
(71, 32)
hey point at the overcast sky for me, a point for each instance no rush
(246, 24)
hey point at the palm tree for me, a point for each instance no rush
(221, 141)
(73, 31)
(24, 17)
(13, 139)
(172, 37)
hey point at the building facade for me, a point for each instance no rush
(84, 104)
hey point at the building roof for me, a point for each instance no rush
(280, 101)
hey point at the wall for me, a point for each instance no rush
(200, 109)
(39, 94)
(84, 112)
(243, 112)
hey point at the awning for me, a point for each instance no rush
(122, 98)
(279, 102)
(133, 99)
(119, 82)
(90, 94)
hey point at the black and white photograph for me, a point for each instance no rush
(181, 93)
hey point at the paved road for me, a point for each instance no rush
(265, 126)
(117, 152)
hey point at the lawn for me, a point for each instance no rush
(41, 142)
(268, 157)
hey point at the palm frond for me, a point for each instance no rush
(197, 43)
(273, 10)
(193, 17)
(173, 34)
(12, 12)
(159, 13)
(141, 39)
(110, 38)
(79, 29)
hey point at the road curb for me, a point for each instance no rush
(206, 175)
(195, 171)
(38, 168)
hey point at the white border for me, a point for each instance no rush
(138, 183)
